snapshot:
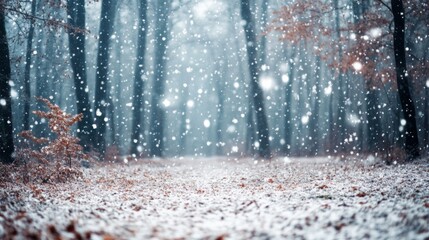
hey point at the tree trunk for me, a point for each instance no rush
(263, 44)
(220, 90)
(183, 130)
(119, 106)
(108, 10)
(426, 120)
(138, 99)
(6, 128)
(45, 75)
(27, 91)
(76, 13)
(342, 87)
(288, 106)
(256, 91)
(374, 121)
(162, 37)
(313, 125)
(408, 109)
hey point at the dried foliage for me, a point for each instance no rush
(6, 171)
(365, 39)
(52, 160)
(45, 16)
(302, 20)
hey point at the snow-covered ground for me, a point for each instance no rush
(216, 198)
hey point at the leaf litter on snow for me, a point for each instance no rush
(312, 198)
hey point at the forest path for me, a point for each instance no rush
(215, 197)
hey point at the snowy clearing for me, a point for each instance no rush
(215, 198)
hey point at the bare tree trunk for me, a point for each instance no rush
(6, 127)
(119, 118)
(288, 106)
(76, 18)
(29, 52)
(47, 57)
(138, 98)
(258, 98)
(342, 87)
(220, 90)
(162, 37)
(374, 120)
(314, 118)
(108, 10)
(426, 120)
(263, 44)
(183, 131)
(407, 103)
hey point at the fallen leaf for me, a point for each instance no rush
(361, 194)
(339, 226)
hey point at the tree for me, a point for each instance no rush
(28, 63)
(373, 115)
(6, 127)
(402, 80)
(162, 36)
(342, 88)
(314, 131)
(256, 91)
(366, 51)
(218, 75)
(138, 98)
(76, 36)
(108, 10)
(288, 105)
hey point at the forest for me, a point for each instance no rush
(214, 119)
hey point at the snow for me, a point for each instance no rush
(211, 198)
(357, 66)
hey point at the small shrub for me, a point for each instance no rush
(52, 160)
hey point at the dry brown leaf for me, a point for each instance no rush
(361, 194)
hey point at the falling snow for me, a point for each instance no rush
(214, 119)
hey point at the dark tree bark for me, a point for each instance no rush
(407, 103)
(162, 36)
(40, 79)
(263, 44)
(138, 98)
(108, 10)
(288, 107)
(256, 91)
(6, 128)
(183, 130)
(250, 133)
(220, 90)
(44, 60)
(313, 127)
(340, 128)
(426, 120)
(374, 120)
(119, 106)
(29, 52)
(76, 19)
